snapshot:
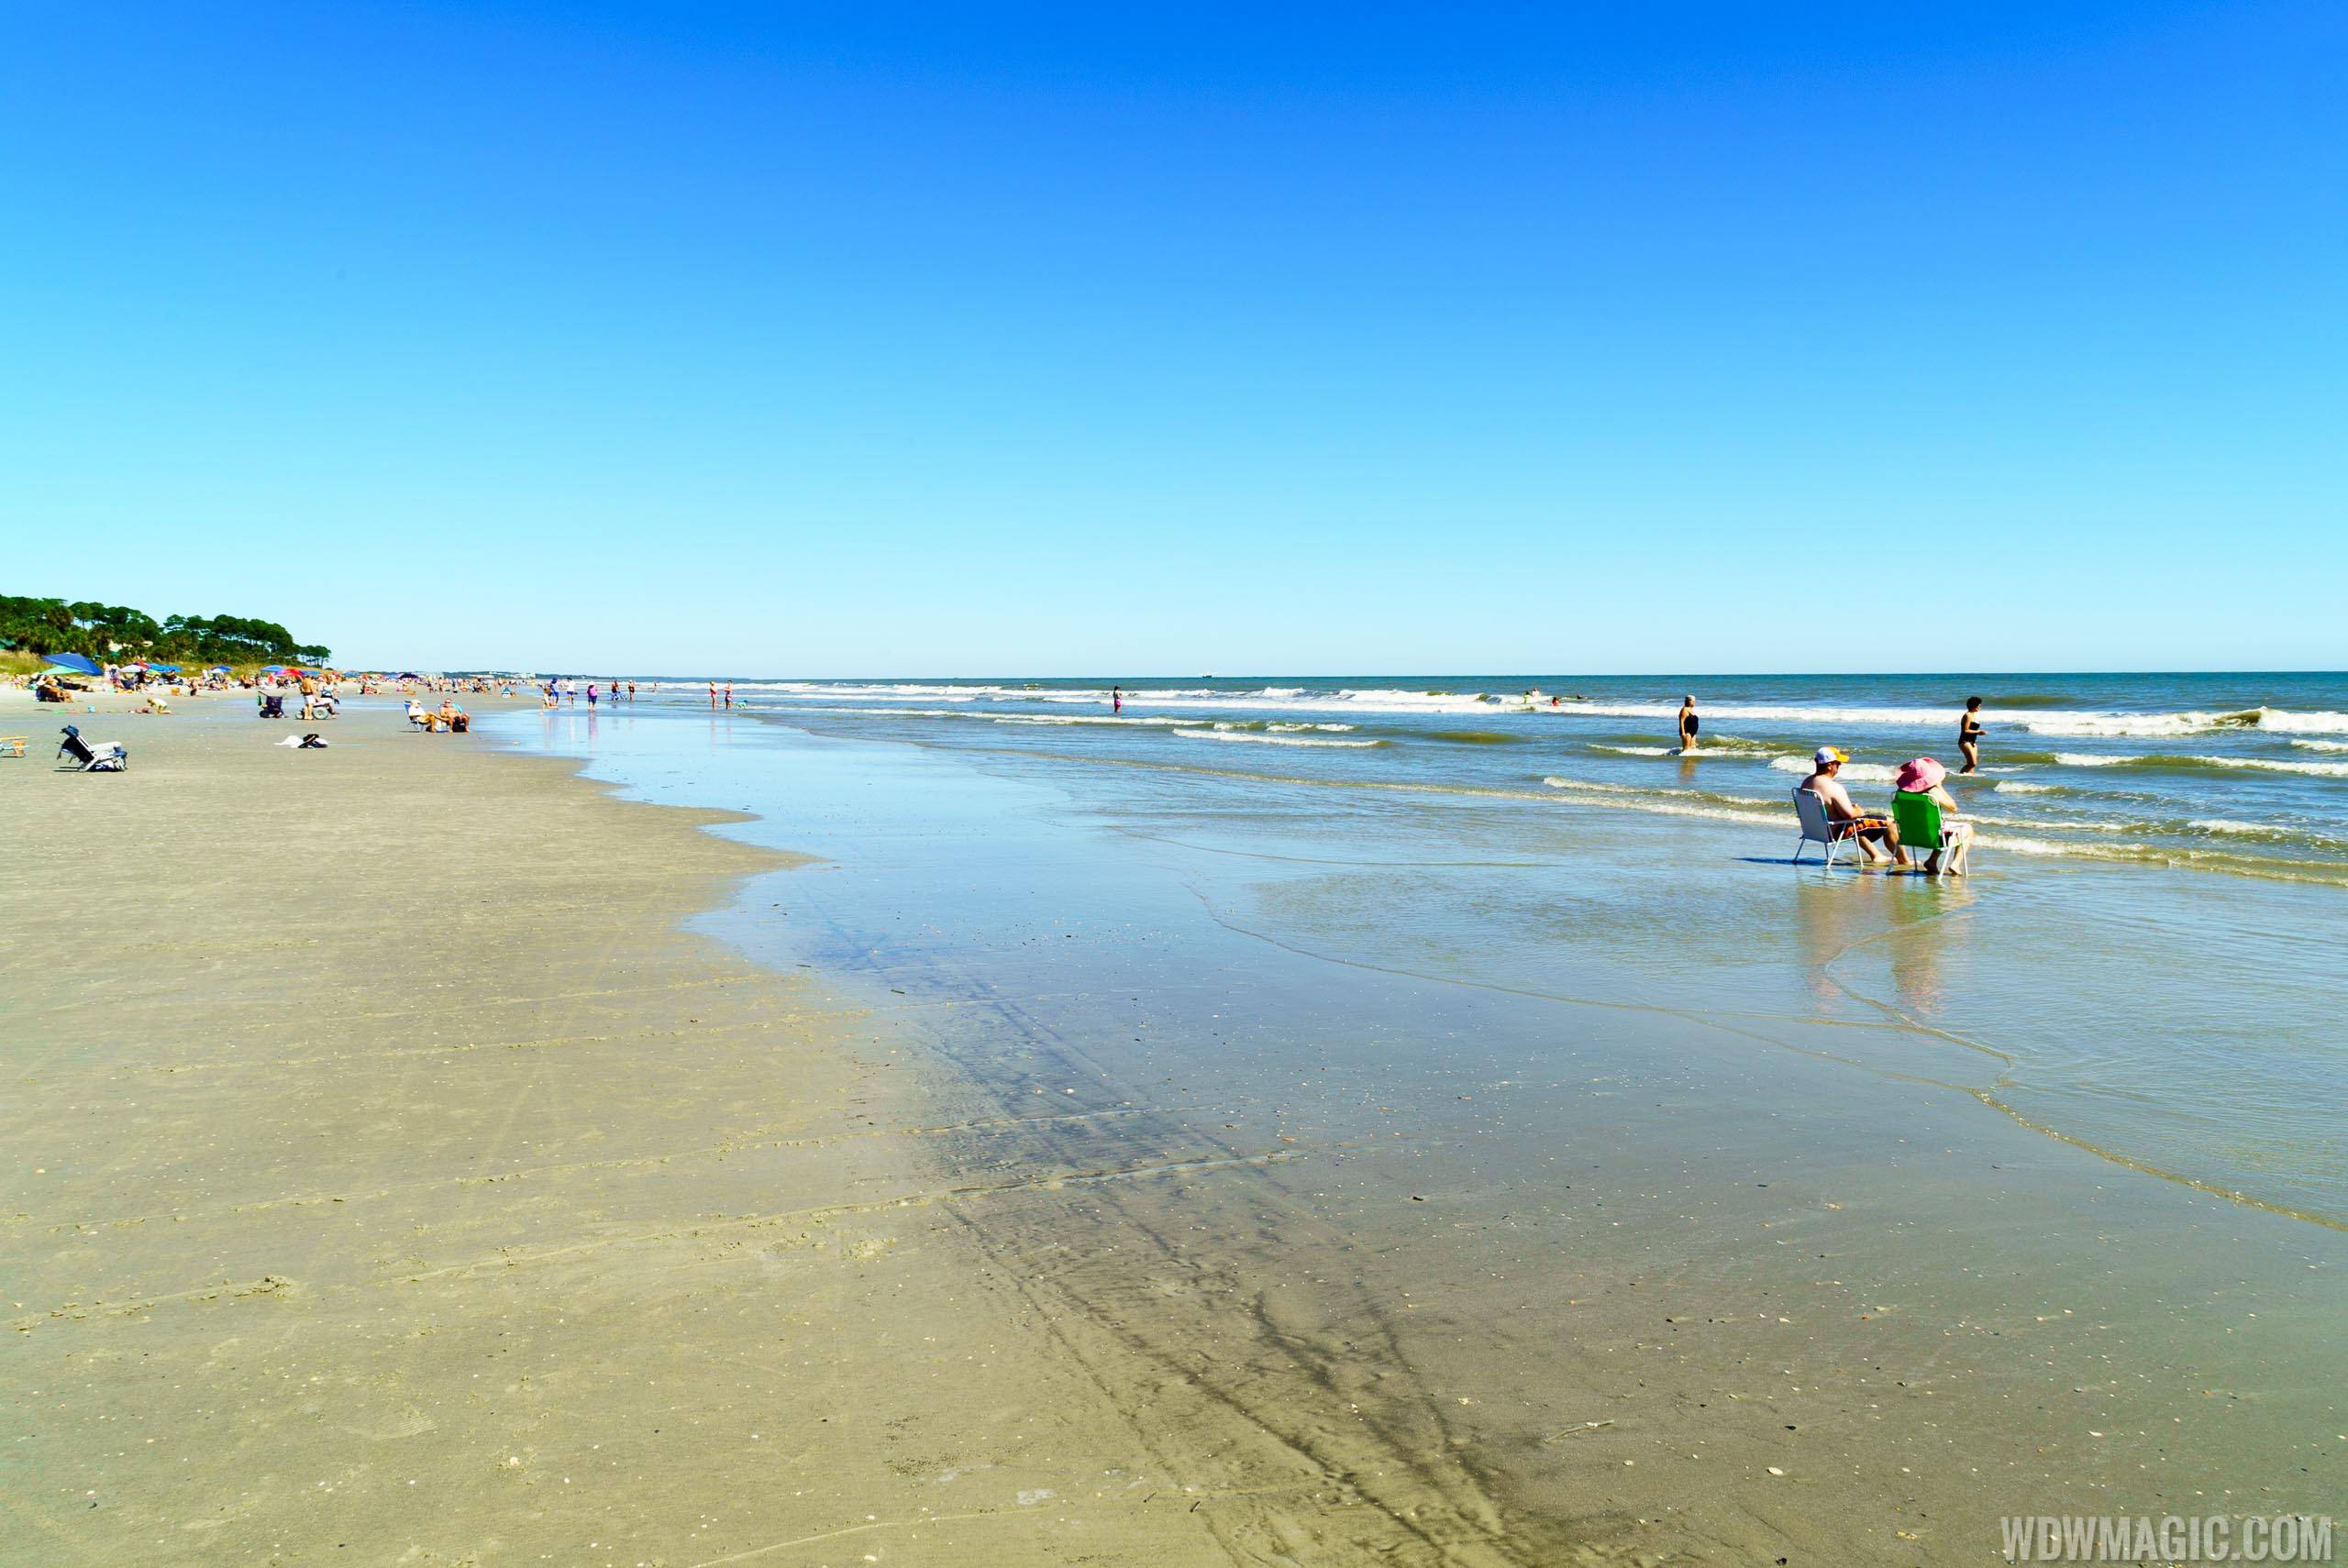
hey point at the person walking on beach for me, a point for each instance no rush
(1689, 723)
(1968, 734)
(631, 691)
(591, 694)
(729, 694)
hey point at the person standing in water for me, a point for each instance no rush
(1968, 734)
(729, 694)
(1116, 699)
(1689, 723)
(712, 694)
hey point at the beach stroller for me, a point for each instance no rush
(106, 757)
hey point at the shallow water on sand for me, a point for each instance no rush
(1536, 1192)
(2147, 953)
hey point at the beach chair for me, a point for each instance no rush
(106, 757)
(273, 706)
(1918, 818)
(14, 745)
(1819, 826)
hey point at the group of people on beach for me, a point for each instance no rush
(1877, 836)
(447, 717)
(1922, 777)
(559, 690)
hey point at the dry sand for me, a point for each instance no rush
(390, 1180)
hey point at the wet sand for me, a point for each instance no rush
(1527, 1277)
(390, 1180)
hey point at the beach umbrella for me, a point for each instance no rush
(80, 664)
(218, 670)
(164, 668)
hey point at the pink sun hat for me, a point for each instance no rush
(1919, 777)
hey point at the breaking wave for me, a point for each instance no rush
(1273, 740)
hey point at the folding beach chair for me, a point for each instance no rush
(106, 757)
(14, 745)
(1819, 826)
(1918, 817)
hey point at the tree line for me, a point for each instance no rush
(117, 632)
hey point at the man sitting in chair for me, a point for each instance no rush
(1874, 833)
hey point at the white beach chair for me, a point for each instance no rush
(93, 757)
(1818, 826)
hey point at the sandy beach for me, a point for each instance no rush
(390, 1181)
(1443, 787)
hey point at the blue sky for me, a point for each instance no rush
(1137, 339)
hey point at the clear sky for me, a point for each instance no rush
(1133, 339)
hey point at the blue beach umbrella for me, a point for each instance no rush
(80, 664)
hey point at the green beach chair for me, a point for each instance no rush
(1921, 832)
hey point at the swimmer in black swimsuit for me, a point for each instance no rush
(1689, 723)
(1968, 734)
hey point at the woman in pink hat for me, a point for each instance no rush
(1927, 778)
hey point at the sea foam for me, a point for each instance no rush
(1272, 740)
(1866, 772)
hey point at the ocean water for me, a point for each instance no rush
(1511, 1078)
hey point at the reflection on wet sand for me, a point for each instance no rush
(1903, 925)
